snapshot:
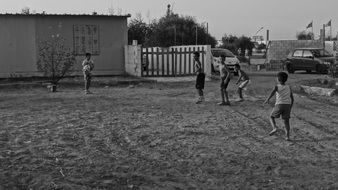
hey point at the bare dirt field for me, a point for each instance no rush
(154, 136)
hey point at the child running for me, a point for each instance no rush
(283, 105)
(225, 80)
(200, 78)
(243, 79)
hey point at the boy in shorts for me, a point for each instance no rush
(88, 65)
(200, 78)
(225, 80)
(283, 105)
(243, 79)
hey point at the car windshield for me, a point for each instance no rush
(225, 52)
(321, 53)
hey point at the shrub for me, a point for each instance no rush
(55, 60)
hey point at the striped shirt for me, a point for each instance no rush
(283, 94)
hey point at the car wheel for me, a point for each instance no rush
(308, 71)
(290, 68)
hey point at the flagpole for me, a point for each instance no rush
(313, 35)
(330, 30)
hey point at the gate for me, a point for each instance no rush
(169, 62)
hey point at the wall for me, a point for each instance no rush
(17, 46)
(279, 50)
(133, 60)
(21, 34)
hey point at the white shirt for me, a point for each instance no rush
(283, 94)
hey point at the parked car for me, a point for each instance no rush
(309, 59)
(230, 59)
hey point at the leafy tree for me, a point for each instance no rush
(245, 43)
(230, 42)
(305, 35)
(170, 30)
(234, 44)
(55, 60)
(138, 30)
(25, 10)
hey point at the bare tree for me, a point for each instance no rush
(55, 59)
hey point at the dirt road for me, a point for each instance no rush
(156, 137)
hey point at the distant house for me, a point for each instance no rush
(102, 35)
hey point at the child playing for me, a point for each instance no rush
(88, 65)
(283, 105)
(225, 79)
(200, 78)
(243, 78)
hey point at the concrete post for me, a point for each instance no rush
(133, 62)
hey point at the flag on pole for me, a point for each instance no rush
(310, 25)
(328, 24)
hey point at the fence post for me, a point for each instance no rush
(162, 53)
(168, 59)
(152, 61)
(133, 60)
(207, 60)
(189, 63)
(157, 61)
(147, 66)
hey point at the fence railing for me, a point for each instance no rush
(167, 62)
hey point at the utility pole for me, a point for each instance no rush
(207, 38)
(196, 35)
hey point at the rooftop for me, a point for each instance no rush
(45, 14)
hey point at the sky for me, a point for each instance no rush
(283, 18)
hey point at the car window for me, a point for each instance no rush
(321, 53)
(298, 53)
(307, 54)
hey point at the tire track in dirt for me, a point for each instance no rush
(319, 147)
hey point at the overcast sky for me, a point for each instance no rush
(284, 18)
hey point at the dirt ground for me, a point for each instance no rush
(154, 136)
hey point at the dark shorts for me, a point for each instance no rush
(283, 110)
(200, 81)
(87, 77)
(224, 84)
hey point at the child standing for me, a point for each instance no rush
(200, 78)
(243, 78)
(225, 79)
(88, 66)
(283, 105)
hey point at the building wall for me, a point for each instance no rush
(20, 36)
(279, 50)
(17, 46)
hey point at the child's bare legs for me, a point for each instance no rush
(273, 124)
(287, 129)
(200, 94)
(225, 97)
(240, 94)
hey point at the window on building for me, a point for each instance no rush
(86, 39)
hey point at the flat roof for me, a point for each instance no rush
(70, 15)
